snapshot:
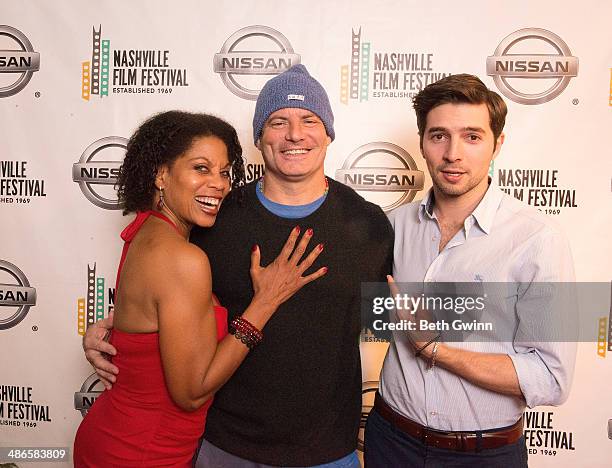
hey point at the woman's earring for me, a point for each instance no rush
(160, 202)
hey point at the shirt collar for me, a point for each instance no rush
(426, 206)
(484, 214)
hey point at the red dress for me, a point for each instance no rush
(136, 423)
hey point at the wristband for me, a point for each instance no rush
(434, 352)
(419, 351)
(246, 332)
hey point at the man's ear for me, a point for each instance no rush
(498, 144)
(258, 144)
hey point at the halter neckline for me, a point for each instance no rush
(132, 229)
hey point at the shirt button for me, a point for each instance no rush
(434, 238)
(433, 413)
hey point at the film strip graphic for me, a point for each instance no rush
(91, 309)
(355, 79)
(604, 332)
(344, 84)
(355, 52)
(365, 72)
(95, 73)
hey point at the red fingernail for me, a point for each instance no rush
(254, 248)
(309, 232)
(320, 246)
(325, 270)
(297, 229)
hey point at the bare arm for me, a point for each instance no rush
(194, 365)
(492, 371)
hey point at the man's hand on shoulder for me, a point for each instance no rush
(97, 350)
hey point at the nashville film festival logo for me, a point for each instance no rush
(19, 409)
(127, 71)
(16, 296)
(97, 177)
(539, 188)
(20, 64)
(92, 308)
(87, 395)
(386, 172)
(374, 74)
(267, 53)
(535, 77)
(542, 437)
(16, 186)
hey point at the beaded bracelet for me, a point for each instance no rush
(244, 338)
(246, 326)
(248, 340)
(246, 332)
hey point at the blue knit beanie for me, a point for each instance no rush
(293, 88)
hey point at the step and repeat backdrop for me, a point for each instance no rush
(76, 79)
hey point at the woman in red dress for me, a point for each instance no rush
(173, 350)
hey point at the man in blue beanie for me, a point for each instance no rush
(296, 398)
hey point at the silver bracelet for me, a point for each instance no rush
(432, 362)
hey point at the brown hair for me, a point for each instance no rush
(454, 89)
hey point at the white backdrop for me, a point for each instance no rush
(53, 233)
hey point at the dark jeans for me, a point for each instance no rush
(388, 447)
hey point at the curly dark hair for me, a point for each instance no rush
(161, 139)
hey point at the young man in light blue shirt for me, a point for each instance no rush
(461, 403)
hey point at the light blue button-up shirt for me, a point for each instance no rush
(502, 241)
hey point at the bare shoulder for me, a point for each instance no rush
(181, 260)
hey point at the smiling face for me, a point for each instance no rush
(458, 146)
(293, 144)
(196, 182)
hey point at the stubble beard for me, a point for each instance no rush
(451, 190)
